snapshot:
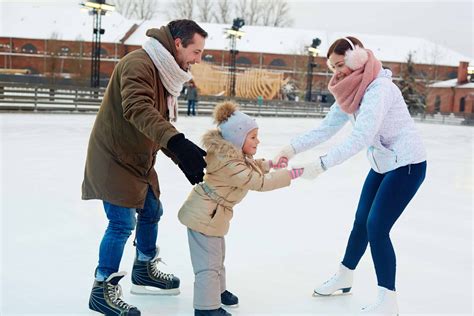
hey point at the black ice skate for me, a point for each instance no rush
(229, 299)
(106, 298)
(148, 280)
(212, 312)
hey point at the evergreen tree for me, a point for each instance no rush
(414, 99)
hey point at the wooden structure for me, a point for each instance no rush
(250, 84)
(210, 80)
(253, 83)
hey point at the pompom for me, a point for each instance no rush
(357, 58)
(223, 111)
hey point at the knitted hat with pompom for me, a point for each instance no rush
(233, 124)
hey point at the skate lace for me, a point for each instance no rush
(157, 273)
(115, 295)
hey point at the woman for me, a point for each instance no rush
(366, 95)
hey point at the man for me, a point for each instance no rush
(130, 128)
(192, 97)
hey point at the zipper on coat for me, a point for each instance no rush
(409, 169)
(375, 161)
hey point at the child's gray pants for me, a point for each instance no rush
(207, 257)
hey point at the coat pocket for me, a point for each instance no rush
(382, 159)
(213, 213)
(220, 219)
(140, 164)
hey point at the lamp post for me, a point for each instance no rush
(233, 34)
(312, 52)
(470, 72)
(97, 9)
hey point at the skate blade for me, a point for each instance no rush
(230, 306)
(150, 290)
(340, 292)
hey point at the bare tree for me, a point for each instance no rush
(255, 12)
(205, 11)
(77, 64)
(432, 55)
(137, 9)
(53, 62)
(182, 9)
(277, 13)
(146, 9)
(223, 11)
(124, 7)
(250, 10)
(241, 8)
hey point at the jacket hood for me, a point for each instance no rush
(385, 73)
(163, 35)
(214, 144)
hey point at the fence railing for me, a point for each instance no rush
(15, 97)
(49, 98)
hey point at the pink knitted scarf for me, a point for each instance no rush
(350, 90)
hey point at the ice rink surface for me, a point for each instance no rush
(281, 244)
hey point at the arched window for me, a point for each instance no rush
(103, 52)
(452, 75)
(437, 104)
(32, 70)
(243, 61)
(29, 48)
(278, 63)
(462, 104)
(64, 50)
(421, 73)
(209, 58)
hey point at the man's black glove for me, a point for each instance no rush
(190, 157)
(193, 179)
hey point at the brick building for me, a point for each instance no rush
(454, 95)
(52, 58)
(32, 48)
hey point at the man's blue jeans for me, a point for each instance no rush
(122, 220)
(191, 107)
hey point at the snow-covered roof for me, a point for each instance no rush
(67, 20)
(39, 21)
(292, 41)
(452, 83)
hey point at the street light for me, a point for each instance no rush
(313, 51)
(234, 34)
(470, 72)
(96, 8)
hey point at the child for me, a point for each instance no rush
(231, 173)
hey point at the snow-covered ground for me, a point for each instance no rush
(281, 244)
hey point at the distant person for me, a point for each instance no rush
(192, 97)
(366, 96)
(131, 127)
(231, 172)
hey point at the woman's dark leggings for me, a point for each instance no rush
(382, 201)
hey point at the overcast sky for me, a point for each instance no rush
(446, 22)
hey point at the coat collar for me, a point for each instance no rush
(163, 35)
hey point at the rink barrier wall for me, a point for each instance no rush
(16, 97)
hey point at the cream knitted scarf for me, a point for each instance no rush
(171, 75)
